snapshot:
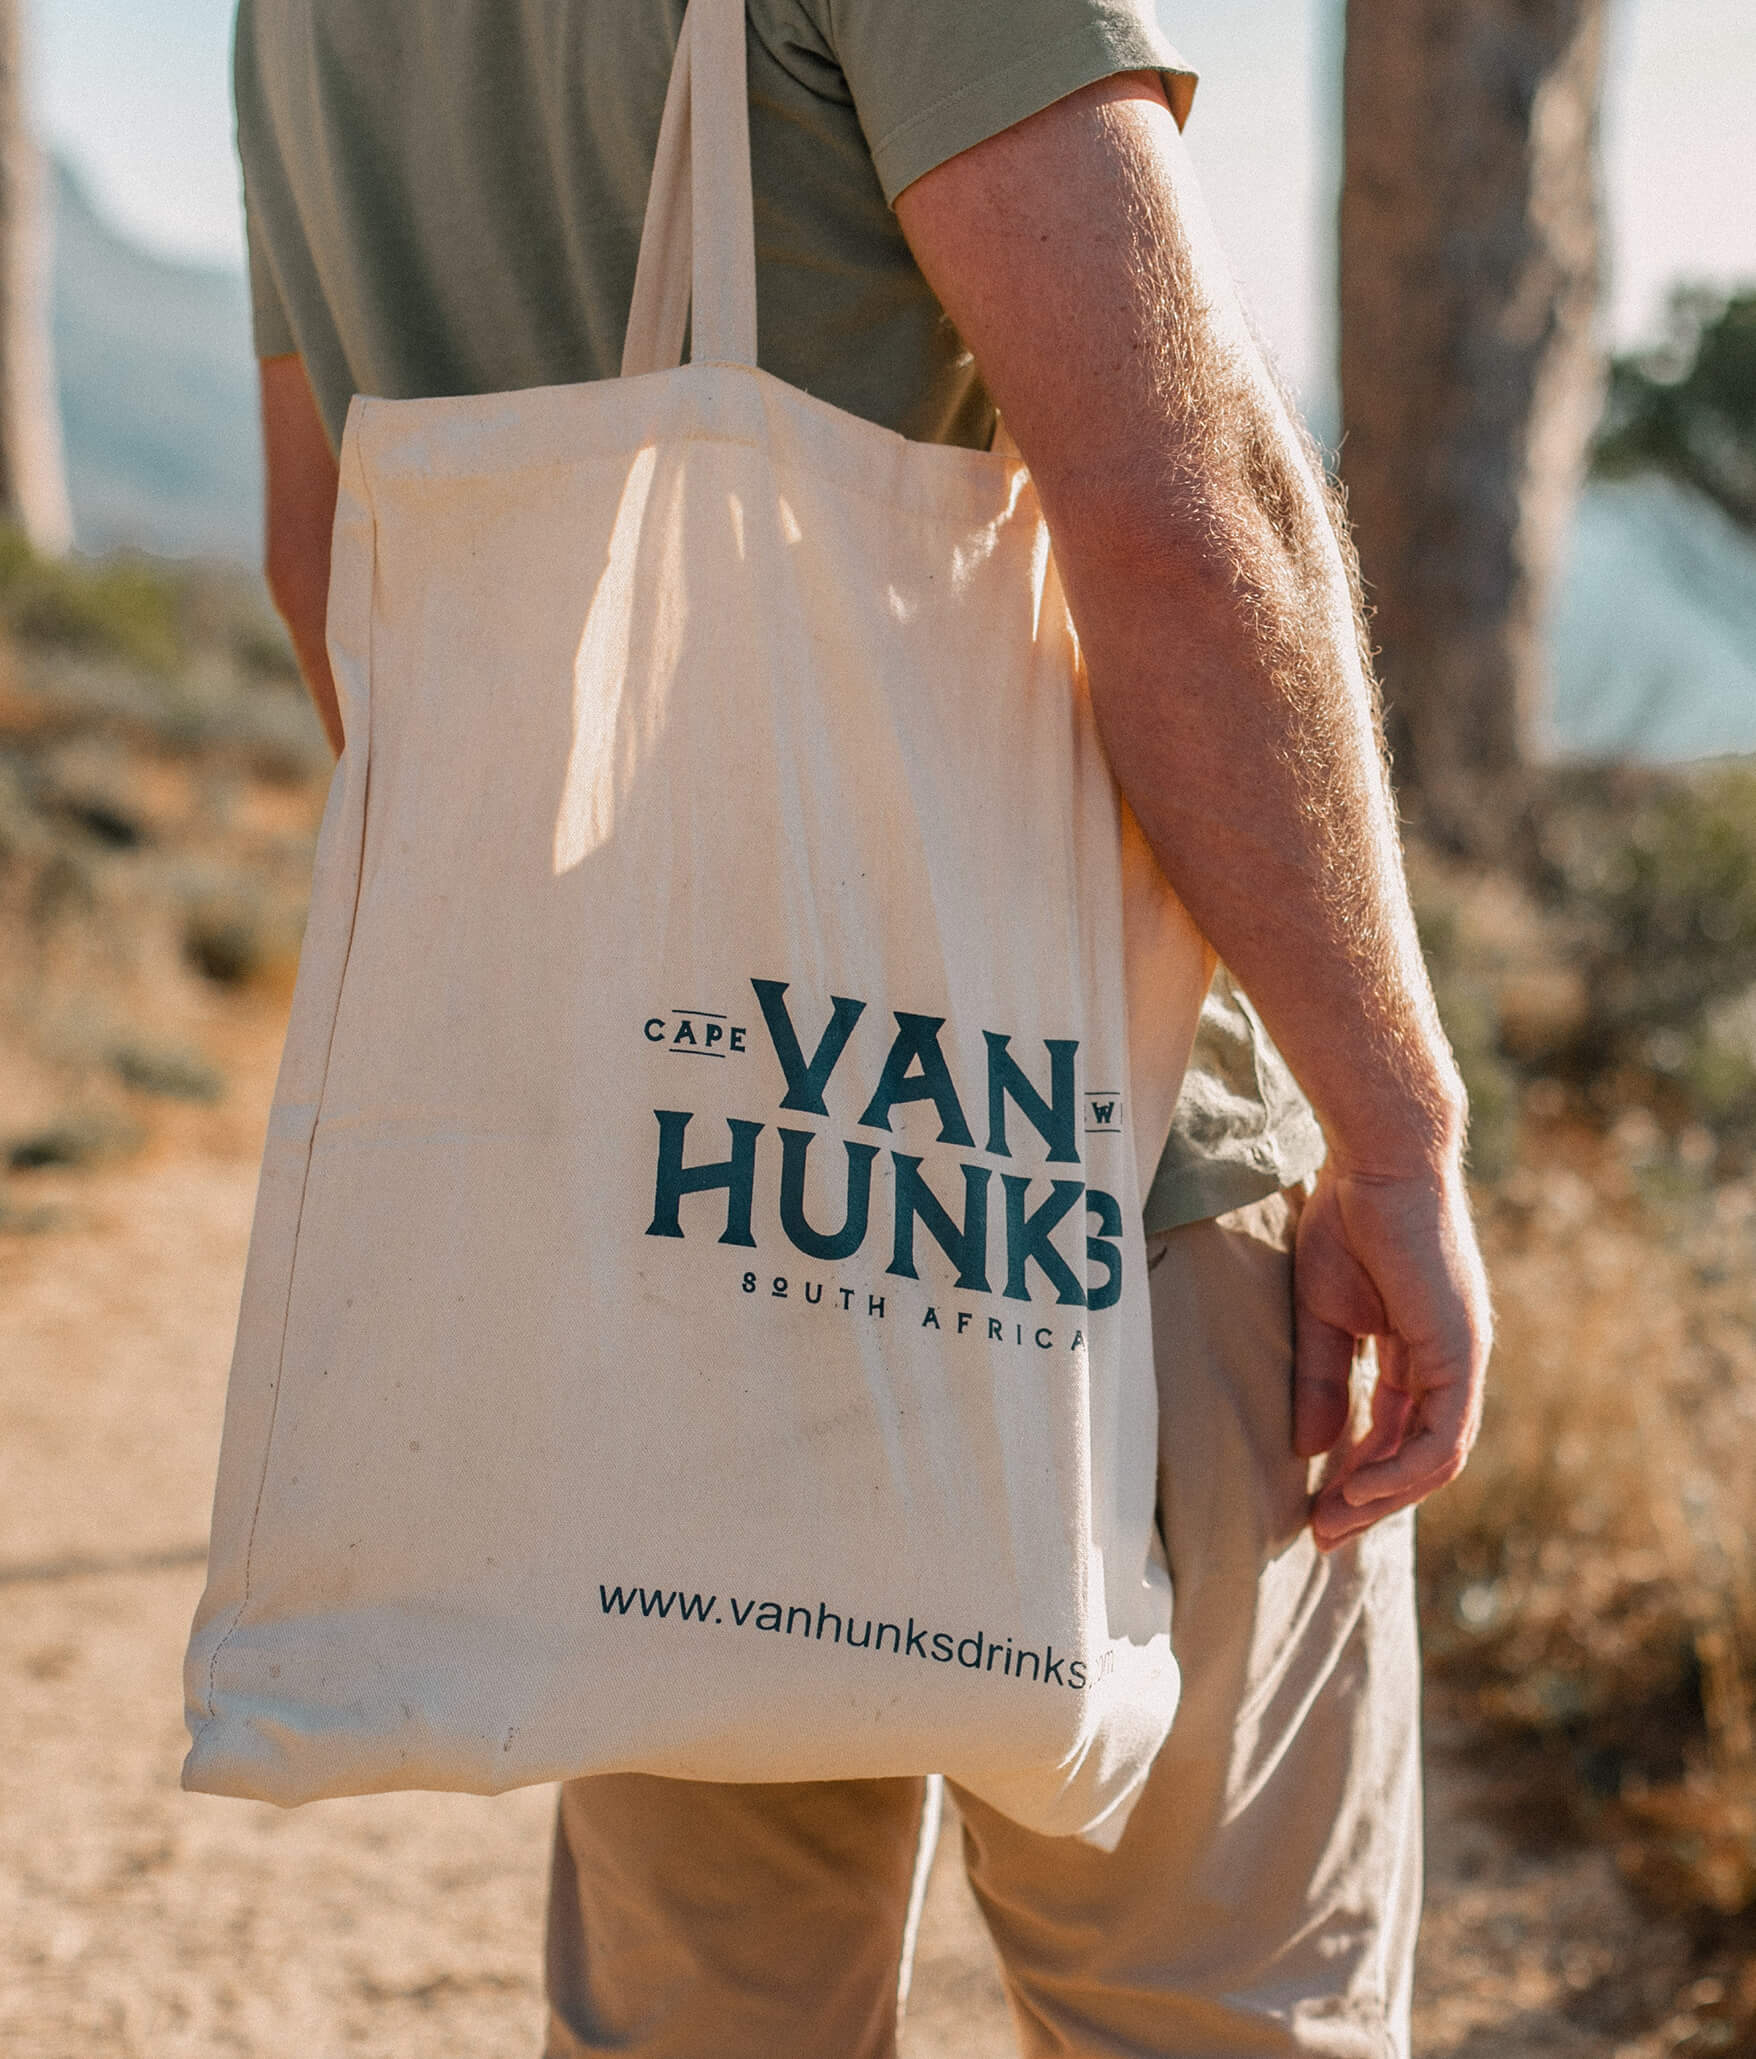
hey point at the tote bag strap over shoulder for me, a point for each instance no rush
(698, 242)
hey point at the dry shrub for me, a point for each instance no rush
(79, 1137)
(160, 782)
(1589, 1584)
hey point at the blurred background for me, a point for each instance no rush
(1505, 252)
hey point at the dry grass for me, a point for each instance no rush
(1590, 1583)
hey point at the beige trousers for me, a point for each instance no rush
(1265, 1895)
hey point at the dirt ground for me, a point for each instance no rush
(142, 1921)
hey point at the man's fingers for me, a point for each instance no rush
(1432, 1455)
(1335, 1305)
(1334, 1524)
(1418, 1440)
(1427, 1461)
(1386, 1429)
(1323, 1359)
(1336, 1517)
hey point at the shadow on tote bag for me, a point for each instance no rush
(696, 1315)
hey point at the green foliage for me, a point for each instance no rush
(82, 1138)
(1465, 989)
(165, 1070)
(224, 944)
(1655, 878)
(263, 651)
(148, 615)
(1618, 969)
(1688, 408)
(119, 607)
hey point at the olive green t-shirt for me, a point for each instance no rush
(445, 196)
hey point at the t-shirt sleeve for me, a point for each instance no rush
(931, 78)
(269, 323)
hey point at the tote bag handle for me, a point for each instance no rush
(698, 242)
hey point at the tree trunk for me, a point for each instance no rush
(1469, 378)
(33, 482)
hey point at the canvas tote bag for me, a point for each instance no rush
(695, 1320)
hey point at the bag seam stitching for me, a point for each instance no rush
(760, 440)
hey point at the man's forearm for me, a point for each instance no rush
(301, 597)
(1228, 684)
(302, 477)
(1211, 595)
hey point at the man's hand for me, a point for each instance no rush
(1391, 1257)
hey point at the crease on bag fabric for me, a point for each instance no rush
(356, 779)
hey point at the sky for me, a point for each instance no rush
(135, 94)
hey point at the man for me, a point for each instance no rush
(958, 206)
